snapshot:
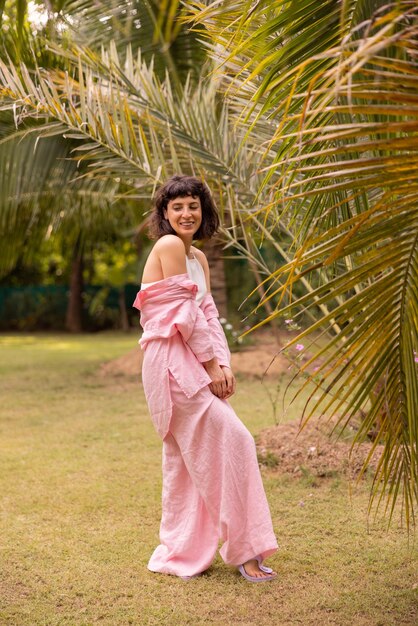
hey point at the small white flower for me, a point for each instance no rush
(288, 321)
(222, 320)
(228, 326)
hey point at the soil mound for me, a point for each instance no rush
(313, 450)
(128, 364)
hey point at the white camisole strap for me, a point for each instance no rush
(197, 275)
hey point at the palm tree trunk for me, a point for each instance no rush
(74, 315)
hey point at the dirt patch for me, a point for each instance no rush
(313, 451)
(128, 364)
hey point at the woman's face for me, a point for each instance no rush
(184, 215)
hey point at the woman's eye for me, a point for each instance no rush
(194, 207)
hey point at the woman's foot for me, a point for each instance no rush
(251, 571)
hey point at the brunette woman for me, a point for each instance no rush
(212, 488)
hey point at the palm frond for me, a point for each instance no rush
(347, 160)
(257, 46)
(128, 121)
(152, 27)
(370, 367)
(338, 83)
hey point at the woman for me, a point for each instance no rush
(212, 486)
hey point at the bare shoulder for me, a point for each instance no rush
(171, 254)
(167, 258)
(169, 243)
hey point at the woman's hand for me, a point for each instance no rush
(223, 381)
(230, 381)
(218, 386)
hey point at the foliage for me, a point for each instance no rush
(32, 308)
(43, 307)
(115, 266)
(153, 26)
(131, 127)
(235, 341)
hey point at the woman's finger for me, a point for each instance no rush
(231, 386)
(229, 381)
(216, 389)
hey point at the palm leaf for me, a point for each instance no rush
(128, 126)
(257, 46)
(153, 27)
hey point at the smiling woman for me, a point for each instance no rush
(184, 190)
(212, 487)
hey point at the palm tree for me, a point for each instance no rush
(188, 56)
(339, 83)
(153, 27)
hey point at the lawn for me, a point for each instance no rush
(80, 486)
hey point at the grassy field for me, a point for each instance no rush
(80, 488)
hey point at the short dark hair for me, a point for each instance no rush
(181, 187)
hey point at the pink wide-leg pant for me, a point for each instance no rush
(212, 489)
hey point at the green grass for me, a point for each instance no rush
(80, 487)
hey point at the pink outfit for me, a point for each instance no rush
(212, 487)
